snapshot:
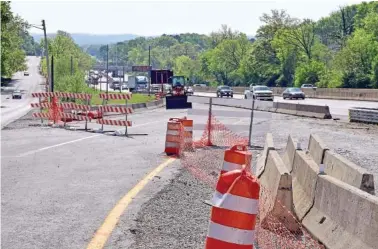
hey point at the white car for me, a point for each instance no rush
(308, 86)
(259, 93)
(16, 94)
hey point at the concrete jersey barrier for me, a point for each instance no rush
(261, 161)
(348, 172)
(276, 193)
(343, 216)
(337, 166)
(317, 148)
(313, 111)
(291, 147)
(305, 172)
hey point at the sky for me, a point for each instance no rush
(149, 18)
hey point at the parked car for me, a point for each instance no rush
(188, 90)
(259, 93)
(293, 93)
(16, 94)
(225, 91)
(308, 86)
(26, 73)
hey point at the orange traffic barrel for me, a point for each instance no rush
(172, 138)
(237, 157)
(234, 211)
(187, 133)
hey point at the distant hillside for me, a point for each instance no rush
(86, 39)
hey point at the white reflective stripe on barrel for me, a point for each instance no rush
(235, 203)
(173, 132)
(171, 145)
(231, 234)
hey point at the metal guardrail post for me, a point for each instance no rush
(209, 123)
(251, 123)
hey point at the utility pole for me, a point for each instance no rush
(71, 65)
(47, 56)
(107, 69)
(52, 73)
(149, 71)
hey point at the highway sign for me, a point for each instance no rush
(140, 68)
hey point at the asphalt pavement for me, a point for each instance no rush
(12, 109)
(338, 108)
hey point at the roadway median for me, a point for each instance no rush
(303, 110)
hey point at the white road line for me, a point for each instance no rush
(57, 145)
(74, 141)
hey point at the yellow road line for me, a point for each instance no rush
(103, 233)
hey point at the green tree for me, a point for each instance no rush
(12, 55)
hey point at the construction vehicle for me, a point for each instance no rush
(176, 98)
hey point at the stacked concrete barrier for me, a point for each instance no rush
(305, 172)
(291, 147)
(276, 188)
(261, 162)
(363, 115)
(342, 216)
(339, 167)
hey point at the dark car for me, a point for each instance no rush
(225, 91)
(26, 73)
(293, 93)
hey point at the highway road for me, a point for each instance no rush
(12, 109)
(338, 108)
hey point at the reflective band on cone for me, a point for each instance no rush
(236, 158)
(234, 211)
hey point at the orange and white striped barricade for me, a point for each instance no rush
(41, 104)
(234, 211)
(125, 96)
(237, 157)
(187, 134)
(173, 136)
(77, 108)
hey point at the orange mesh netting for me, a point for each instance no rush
(54, 110)
(278, 229)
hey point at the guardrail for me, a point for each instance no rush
(363, 115)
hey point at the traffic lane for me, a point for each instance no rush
(57, 198)
(16, 143)
(15, 108)
(337, 107)
(102, 87)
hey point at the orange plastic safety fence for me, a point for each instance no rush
(278, 229)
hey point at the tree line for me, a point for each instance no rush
(340, 50)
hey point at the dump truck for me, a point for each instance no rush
(176, 98)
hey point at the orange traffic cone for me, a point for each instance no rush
(234, 211)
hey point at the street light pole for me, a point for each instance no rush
(47, 57)
(149, 71)
(107, 69)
